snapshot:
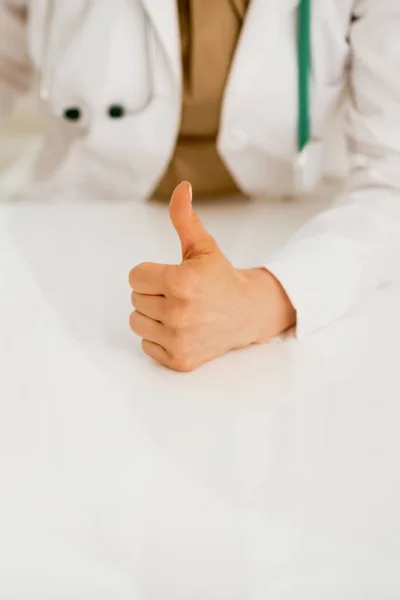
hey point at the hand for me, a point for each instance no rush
(190, 313)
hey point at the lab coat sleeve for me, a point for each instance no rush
(339, 257)
(15, 66)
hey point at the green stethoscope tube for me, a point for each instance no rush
(303, 70)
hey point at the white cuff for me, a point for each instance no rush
(322, 275)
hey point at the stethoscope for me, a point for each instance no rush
(304, 141)
(305, 144)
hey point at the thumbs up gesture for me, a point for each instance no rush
(190, 313)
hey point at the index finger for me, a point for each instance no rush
(148, 278)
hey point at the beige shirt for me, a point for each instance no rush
(210, 30)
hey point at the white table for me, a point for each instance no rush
(271, 473)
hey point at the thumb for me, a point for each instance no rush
(195, 239)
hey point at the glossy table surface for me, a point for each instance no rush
(272, 472)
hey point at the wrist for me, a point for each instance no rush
(273, 310)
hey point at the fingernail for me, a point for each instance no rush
(190, 191)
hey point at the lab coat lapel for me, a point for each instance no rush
(163, 15)
(255, 45)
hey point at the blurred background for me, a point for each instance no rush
(18, 131)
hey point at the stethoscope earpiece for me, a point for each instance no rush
(72, 113)
(75, 113)
(116, 111)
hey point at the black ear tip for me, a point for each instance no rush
(72, 113)
(116, 111)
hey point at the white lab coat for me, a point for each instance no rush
(97, 57)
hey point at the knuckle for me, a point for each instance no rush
(178, 316)
(136, 273)
(147, 347)
(182, 354)
(133, 274)
(185, 368)
(133, 321)
(173, 319)
(182, 284)
(184, 364)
